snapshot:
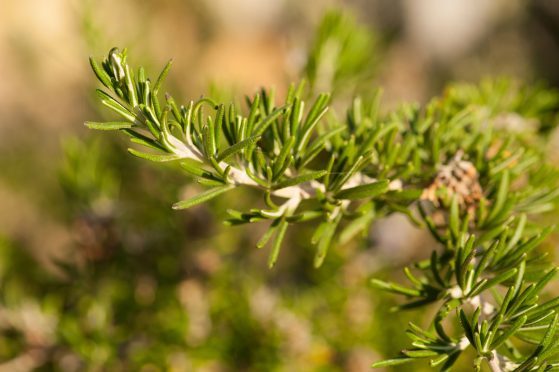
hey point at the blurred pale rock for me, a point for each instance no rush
(446, 29)
(296, 331)
(359, 360)
(193, 297)
(247, 17)
(404, 75)
(244, 63)
(38, 64)
(37, 326)
(397, 241)
(263, 304)
(358, 309)
(554, 146)
(26, 362)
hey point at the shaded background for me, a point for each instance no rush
(98, 273)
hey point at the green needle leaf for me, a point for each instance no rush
(363, 191)
(114, 105)
(392, 362)
(509, 332)
(454, 220)
(420, 353)
(395, 288)
(239, 146)
(282, 228)
(268, 234)
(110, 125)
(261, 127)
(502, 194)
(495, 280)
(324, 242)
(300, 179)
(158, 158)
(162, 76)
(100, 73)
(203, 197)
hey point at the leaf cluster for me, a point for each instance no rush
(486, 271)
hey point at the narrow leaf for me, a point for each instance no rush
(392, 362)
(158, 158)
(262, 126)
(468, 331)
(502, 194)
(495, 280)
(114, 105)
(239, 146)
(420, 353)
(395, 288)
(363, 191)
(203, 197)
(300, 179)
(324, 243)
(509, 332)
(162, 76)
(268, 234)
(282, 228)
(110, 125)
(100, 73)
(454, 219)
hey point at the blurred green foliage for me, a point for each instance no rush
(144, 287)
(343, 56)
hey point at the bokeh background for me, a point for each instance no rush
(96, 271)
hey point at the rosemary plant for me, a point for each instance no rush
(469, 167)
